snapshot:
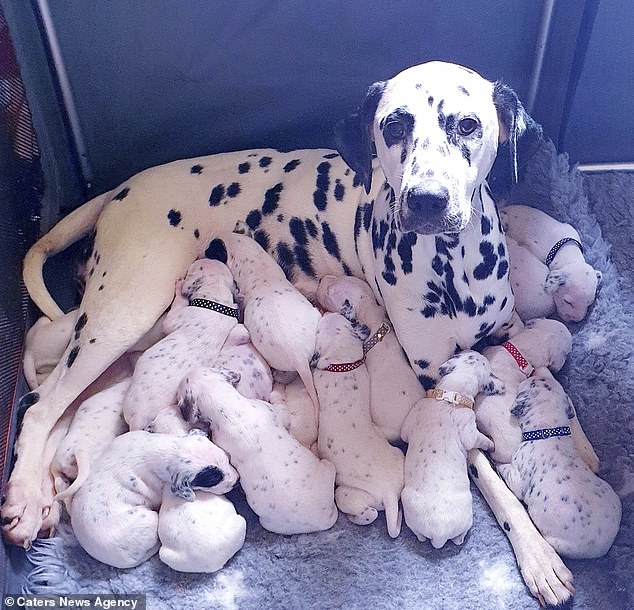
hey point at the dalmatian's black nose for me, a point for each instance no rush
(427, 203)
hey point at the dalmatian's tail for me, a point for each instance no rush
(83, 468)
(66, 232)
(393, 516)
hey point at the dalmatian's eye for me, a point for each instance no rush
(395, 129)
(467, 126)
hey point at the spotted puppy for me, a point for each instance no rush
(97, 422)
(571, 281)
(281, 321)
(440, 430)
(288, 487)
(293, 397)
(576, 511)
(199, 535)
(369, 469)
(394, 387)
(201, 318)
(114, 514)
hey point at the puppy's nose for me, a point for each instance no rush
(429, 203)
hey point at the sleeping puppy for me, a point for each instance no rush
(114, 513)
(571, 281)
(287, 486)
(369, 469)
(577, 512)
(200, 320)
(199, 535)
(440, 430)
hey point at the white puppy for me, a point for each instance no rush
(281, 321)
(200, 535)
(577, 512)
(288, 487)
(239, 355)
(294, 398)
(571, 281)
(369, 469)
(394, 387)
(201, 318)
(540, 342)
(114, 513)
(98, 420)
(440, 430)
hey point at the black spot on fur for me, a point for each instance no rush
(216, 250)
(122, 194)
(503, 267)
(421, 363)
(285, 258)
(72, 355)
(196, 233)
(81, 322)
(330, 241)
(404, 249)
(485, 225)
(426, 381)
(174, 216)
(331, 155)
(28, 400)
(253, 220)
(298, 230)
(243, 168)
(489, 258)
(209, 476)
(272, 199)
(291, 165)
(196, 169)
(262, 237)
(430, 100)
(311, 227)
(265, 161)
(233, 190)
(303, 260)
(340, 191)
(322, 185)
(92, 341)
(217, 193)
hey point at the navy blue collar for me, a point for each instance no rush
(538, 435)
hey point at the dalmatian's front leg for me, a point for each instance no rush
(543, 571)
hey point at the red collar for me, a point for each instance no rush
(525, 366)
(345, 367)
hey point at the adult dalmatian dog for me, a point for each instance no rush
(417, 223)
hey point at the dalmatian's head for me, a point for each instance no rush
(470, 372)
(436, 129)
(339, 338)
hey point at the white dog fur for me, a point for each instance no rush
(369, 469)
(437, 502)
(294, 398)
(114, 513)
(199, 535)
(394, 387)
(287, 486)
(571, 281)
(281, 321)
(577, 512)
(96, 423)
(195, 336)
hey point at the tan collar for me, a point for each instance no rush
(458, 400)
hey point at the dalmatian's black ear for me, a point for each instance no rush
(518, 130)
(524, 400)
(448, 367)
(181, 487)
(359, 329)
(353, 136)
(216, 250)
(493, 386)
(208, 477)
(554, 281)
(233, 377)
(188, 408)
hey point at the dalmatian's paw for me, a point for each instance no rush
(545, 574)
(22, 514)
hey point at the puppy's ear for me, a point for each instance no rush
(361, 331)
(517, 129)
(233, 377)
(188, 409)
(524, 400)
(181, 487)
(208, 477)
(358, 328)
(353, 136)
(216, 250)
(347, 311)
(448, 367)
(493, 386)
(554, 281)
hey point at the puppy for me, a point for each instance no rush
(369, 469)
(200, 320)
(539, 343)
(114, 513)
(577, 512)
(294, 398)
(96, 423)
(394, 387)
(281, 321)
(288, 487)
(239, 355)
(440, 430)
(571, 281)
(199, 535)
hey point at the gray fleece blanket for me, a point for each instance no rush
(357, 567)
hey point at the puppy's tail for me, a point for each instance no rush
(83, 468)
(66, 232)
(393, 516)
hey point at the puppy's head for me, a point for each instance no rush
(469, 372)
(334, 290)
(436, 129)
(574, 288)
(208, 279)
(338, 339)
(548, 342)
(201, 465)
